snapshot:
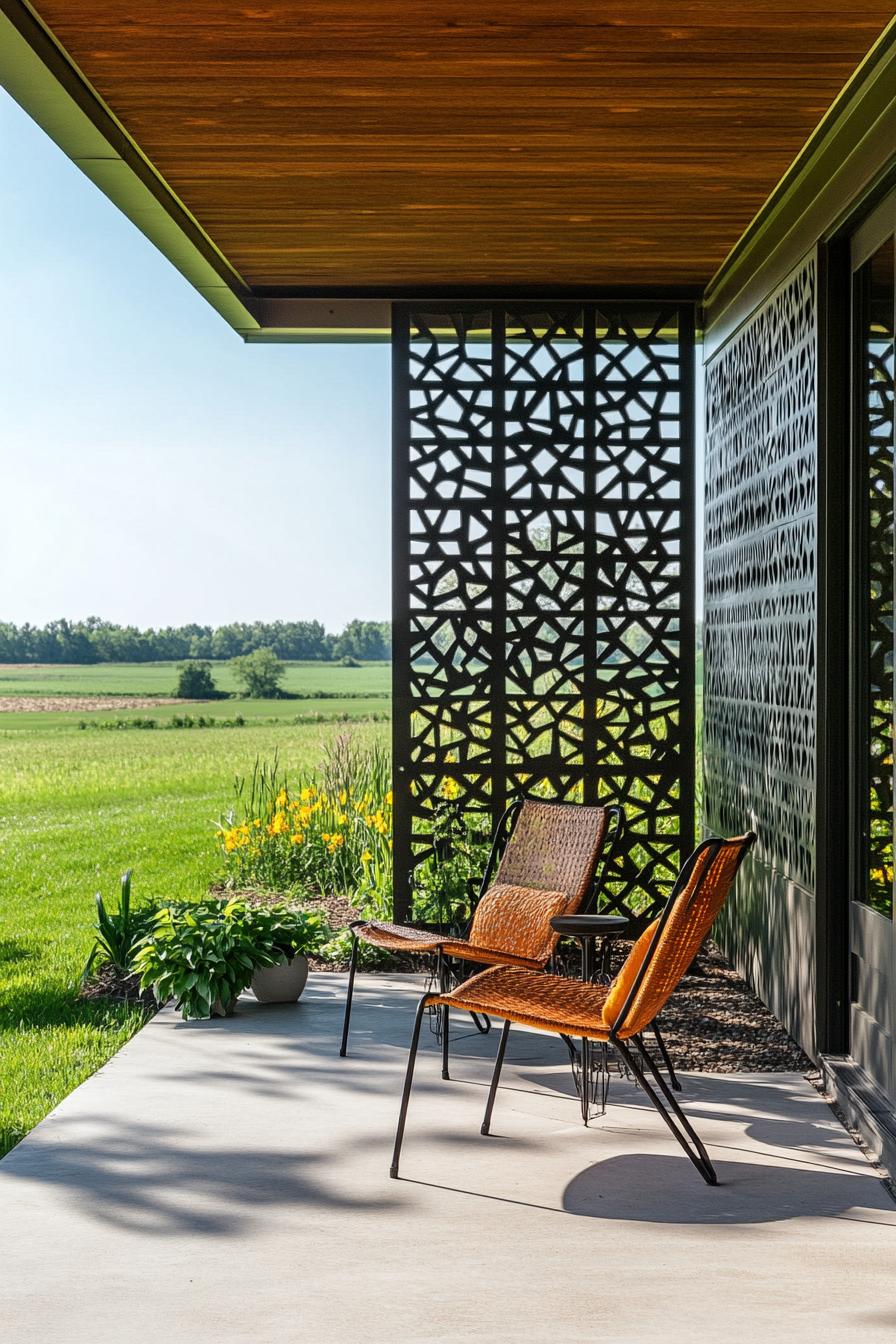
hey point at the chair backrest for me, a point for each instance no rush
(557, 847)
(666, 948)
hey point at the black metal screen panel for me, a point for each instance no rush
(760, 629)
(543, 569)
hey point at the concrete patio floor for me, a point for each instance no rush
(228, 1181)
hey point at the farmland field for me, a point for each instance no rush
(79, 806)
(152, 679)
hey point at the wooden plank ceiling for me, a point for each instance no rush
(387, 145)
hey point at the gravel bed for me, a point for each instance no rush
(715, 1023)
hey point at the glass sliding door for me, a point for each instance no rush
(873, 941)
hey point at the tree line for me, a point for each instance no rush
(97, 641)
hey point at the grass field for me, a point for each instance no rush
(78, 808)
(370, 680)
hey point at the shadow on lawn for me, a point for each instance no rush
(56, 1004)
(13, 949)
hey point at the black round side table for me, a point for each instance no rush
(590, 1063)
(586, 929)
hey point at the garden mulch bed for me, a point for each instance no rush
(714, 1023)
(109, 984)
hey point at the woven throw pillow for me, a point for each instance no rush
(517, 920)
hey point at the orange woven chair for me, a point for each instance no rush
(545, 858)
(615, 1014)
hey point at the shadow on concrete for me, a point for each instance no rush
(170, 1180)
(651, 1188)
(160, 1183)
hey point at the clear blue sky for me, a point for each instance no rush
(156, 470)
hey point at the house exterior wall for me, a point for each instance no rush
(760, 633)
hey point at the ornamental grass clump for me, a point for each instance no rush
(329, 832)
(117, 933)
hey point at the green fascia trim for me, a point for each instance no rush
(317, 336)
(866, 99)
(48, 86)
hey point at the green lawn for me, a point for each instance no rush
(77, 808)
(142, 679)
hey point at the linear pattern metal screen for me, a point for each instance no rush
(543, 568)
(760, 579)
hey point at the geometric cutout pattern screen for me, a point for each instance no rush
(543, 570)
(760, 582)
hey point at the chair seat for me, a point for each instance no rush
(405, 938)
(533, 999)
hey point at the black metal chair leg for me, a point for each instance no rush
(482, 1024)
(695, 1149)
(443, 972)
(490, 1104)
(408, 1080)
(585, 1090)
(348, 997)
(664, 1054)
(445, 1042)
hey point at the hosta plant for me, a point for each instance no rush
(203, 955)
(288, 929)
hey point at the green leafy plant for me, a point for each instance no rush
(118, 932)
(446, 882)
(204, 954)
(288, 929)
(339, 949)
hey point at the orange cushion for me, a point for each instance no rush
(619, 990)
(518, 920)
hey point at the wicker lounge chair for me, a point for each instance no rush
(547, 857)
(619, 1013)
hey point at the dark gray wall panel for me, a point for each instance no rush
(760, 637)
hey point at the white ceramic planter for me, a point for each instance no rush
(283, 983)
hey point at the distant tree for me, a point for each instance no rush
(195, 682)
(260, 672)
